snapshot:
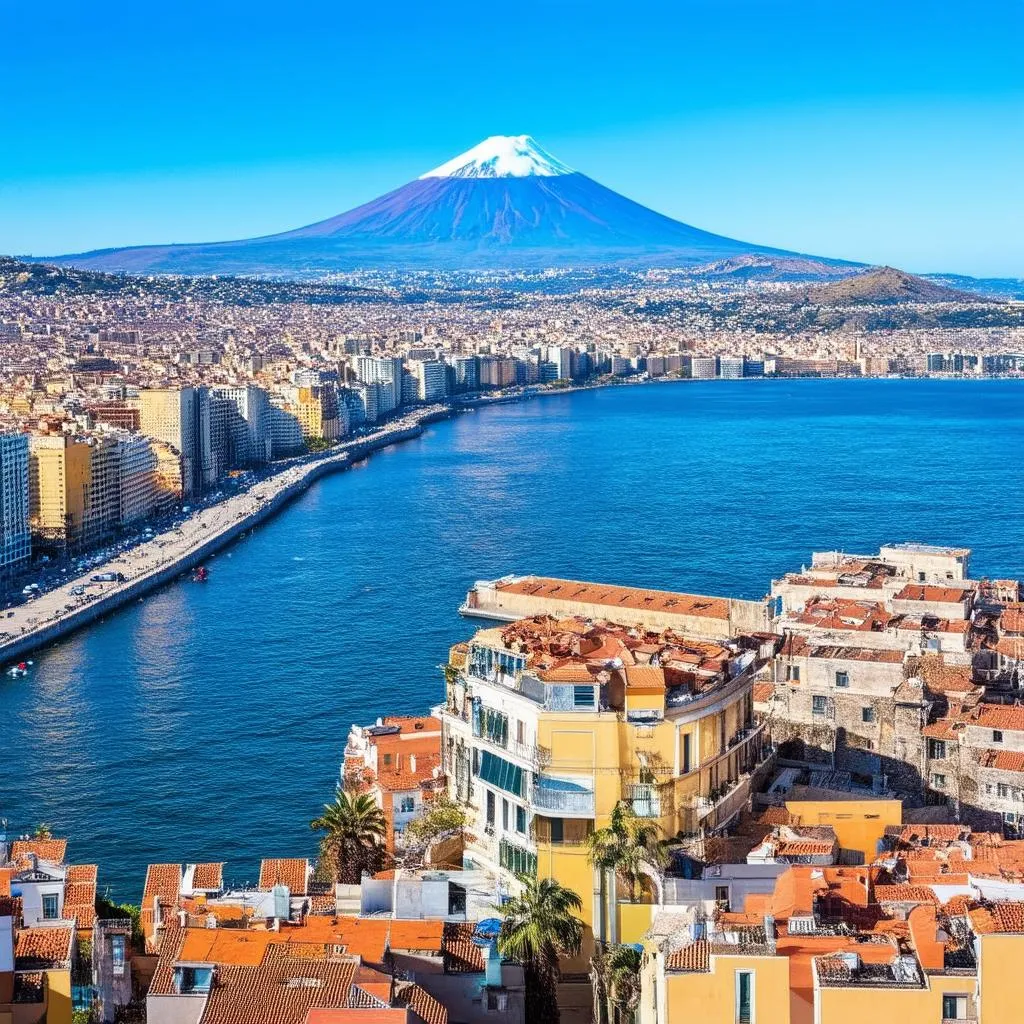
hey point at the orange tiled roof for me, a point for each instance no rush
(618, 597)
(461, 954)
(997, 716)
(419, 936)
(924, 592)
(998, 917)
(52, 850)
(81, 873)
(692, 957)
(163, 880)
(208, 876)
(424, 1005)
(413, 724)
(904, 894)
(1002, 760)
(291, 871)
(763, 692)
(43, 947)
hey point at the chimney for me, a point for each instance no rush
(412, 762)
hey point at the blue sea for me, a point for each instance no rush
(208, 721)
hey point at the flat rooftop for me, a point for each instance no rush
(912, 547)
(553, 589)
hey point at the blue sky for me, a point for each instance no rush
(889, 132)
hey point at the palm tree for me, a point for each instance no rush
(629, 846)
(42, 831)
(622, 964)
(538, 926)
(354, 831)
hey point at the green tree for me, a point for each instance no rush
(622, 973)
(353, 841)
(42, 831)
(539, 926)
(629, 847)
(443, 815)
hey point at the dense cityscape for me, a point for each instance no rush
(447, 582)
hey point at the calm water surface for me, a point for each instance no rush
(208, 722)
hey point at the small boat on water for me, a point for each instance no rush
(21, 669)
(200, 574)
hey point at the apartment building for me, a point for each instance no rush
(60, 477)
(550, 723)
(248, 428)
(895, 668)
(139, 491)
(431, 376)
(15, 534)
(181, 418)
(386, 371)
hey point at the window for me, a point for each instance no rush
(867, 714)
(501, 774)
(744, 997)
(193, 979)
(921, 577)
(793, 673)
(582, 696)
(557, 830)
(490, 808)
(407, 805)
(938, 781)
(954, 1007)
(521, 820)
(476, 762)
(686, 753)
(997, 735)
(1002, 790)
(497, 1000)
(117, 954)
(722, 897)
(387, 760)
(517, 860)
(819, 705)
(504, 815)
(937, 749)
(51, 910)
(842, 679)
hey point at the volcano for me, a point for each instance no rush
(504, 203)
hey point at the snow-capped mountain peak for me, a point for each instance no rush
(502, 156)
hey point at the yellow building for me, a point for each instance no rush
(60, 477)
(859, 824)
(549, 724)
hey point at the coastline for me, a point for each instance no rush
(207, 531)
(58, 613)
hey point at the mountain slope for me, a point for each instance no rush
(504, 203)
(883, 286)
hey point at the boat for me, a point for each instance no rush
(200, 574)
(21, 669)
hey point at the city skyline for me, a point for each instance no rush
(887, 147)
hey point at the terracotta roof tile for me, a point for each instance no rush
(461, 954)
(692, 957)
(424, 1005)
(292, 872)
(163, 880)
(208, 876)
(52, 850)
(41, 948)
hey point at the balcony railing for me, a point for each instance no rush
(566, 801)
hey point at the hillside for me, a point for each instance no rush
(884, 286)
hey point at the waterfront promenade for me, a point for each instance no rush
(81, 600)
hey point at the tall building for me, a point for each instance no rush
(60, 471)
(382, 370)
(431, 380)
(139, 492)
(285, 432)
(248, 432)
(181, 418)
(467, 373)
(15, 536)
(730, 367)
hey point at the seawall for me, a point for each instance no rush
(18, 648)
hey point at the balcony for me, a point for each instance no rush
(644, 800)
(565, 799)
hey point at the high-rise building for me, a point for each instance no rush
(15, 536)
(285, 431)
(730, 367)
(704, 367)
(467, 373)
(181, 418)
(60, 470)
(139, 492)
(248, 432)
(380, 370)
(431, 380)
